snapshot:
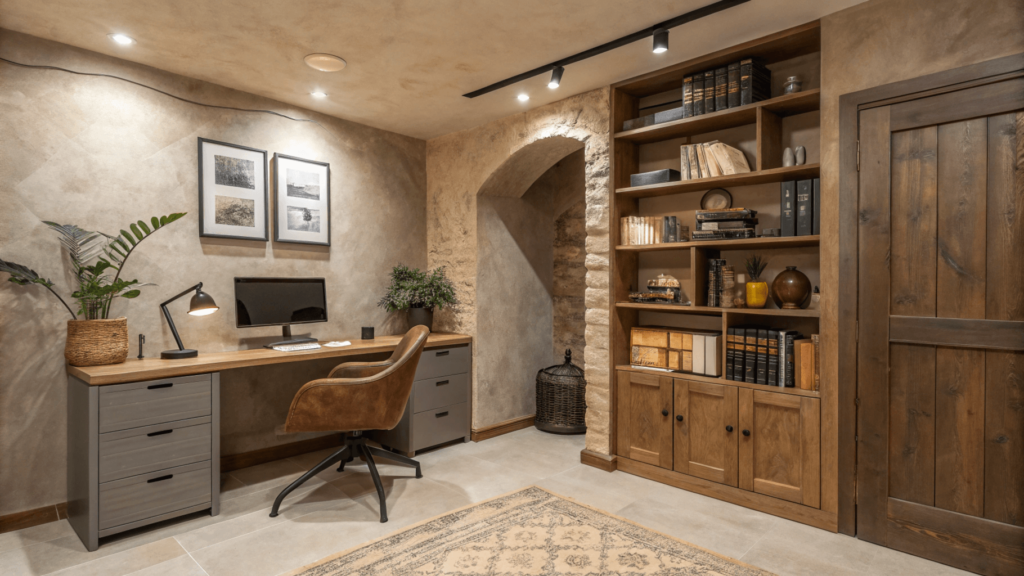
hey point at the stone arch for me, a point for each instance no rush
(524, 166)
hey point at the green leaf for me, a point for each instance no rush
(128, 237)
(175, 216)
(131, 294)
(156, 222)
(163, 220)
(135, 230)
(144, 227)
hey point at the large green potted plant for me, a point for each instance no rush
(419, 293)
(97, 339)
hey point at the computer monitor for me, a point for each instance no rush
(280, 302)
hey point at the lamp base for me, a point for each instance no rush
(178, 354)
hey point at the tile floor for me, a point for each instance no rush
(335, 511)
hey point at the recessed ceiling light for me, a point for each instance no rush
(121, 39)
(523, 97)
(325, 62)
(318, 95)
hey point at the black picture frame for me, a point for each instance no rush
(278, 200)
(203, 232)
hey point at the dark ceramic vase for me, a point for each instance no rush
(421, 317)
(791, 288)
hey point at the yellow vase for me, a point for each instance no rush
(757, 294)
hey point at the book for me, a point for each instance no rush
(734, 85)
(721, 88)
(702, 160)
(730, 352)
(725, 214)
(698, 354)
(755, 81)
(804, 207)
(712, 357)
(709, 91)
(817, 361)
(787, 208)
(684, 163)
(803, 361)
(677, 235)
(723, 234)
(695, 172)
(787, 377)
(624, 231)
(714, 169)
(688, 97)
(762, 356)
(698, 94)
(816, 201)
(750, 360)
(726, 224)
(773, 357)
(731, 160)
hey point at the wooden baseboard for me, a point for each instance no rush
(505, 427)
(598, 460)
(774, 506)
(264, 455)
(35, 517)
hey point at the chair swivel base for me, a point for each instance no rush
(354, 445)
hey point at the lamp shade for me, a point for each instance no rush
(202, 304)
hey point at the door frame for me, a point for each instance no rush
(850, 106)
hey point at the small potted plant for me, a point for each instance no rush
(98, 339)
(419, 293)
(757, 289)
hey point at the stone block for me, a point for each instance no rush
(597, 316)
(597, 298)
(598, 262)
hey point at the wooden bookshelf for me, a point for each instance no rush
(740, 244)
(703, 184)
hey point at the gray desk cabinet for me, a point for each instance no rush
(141, 452)
(439, 406)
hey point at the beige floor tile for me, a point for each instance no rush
(531, 451)
(268, 475)
(35, 535)
(180, 566)
(128, 561)
(409, 500)
(608, 491)
(478, 479)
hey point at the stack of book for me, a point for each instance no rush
(711, 159)
(800, 208)
(727, 224)
(676, 349)
(737, 84)
(641, 230)
(771, 357)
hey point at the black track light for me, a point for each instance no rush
(556, 77)
(660, 41)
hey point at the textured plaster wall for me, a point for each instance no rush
(506, 157)
(102, 153)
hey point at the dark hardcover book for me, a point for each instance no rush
(730, 352)
(677, 235)
(723, 234)
(787, 364)
(787, 209)
(698, 94)
(739, 359)
(726, 214)
(668, 115)
(750, 356)
(733, 74)
(721, 88)
(687, 96)
(666, 229)
(804, 207)
(755, 82)
(816, 201)
(726, 224)
(773, 357)
(709, 91)
(640, 122)
(655, 177)
(762, 356)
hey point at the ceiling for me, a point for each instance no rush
(409, 61)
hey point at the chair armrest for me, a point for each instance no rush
(358, 369)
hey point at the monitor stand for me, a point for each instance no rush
(286, 332)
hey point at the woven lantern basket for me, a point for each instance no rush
(97, 342)
(561, 398)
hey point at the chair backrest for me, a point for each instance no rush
(397, 379)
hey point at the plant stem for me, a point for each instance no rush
(73, 315)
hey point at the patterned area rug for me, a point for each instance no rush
(531, 531)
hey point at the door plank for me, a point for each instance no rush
(958, 332)
(746, 441)
(810, 457)
(998, 98)
(912, 423)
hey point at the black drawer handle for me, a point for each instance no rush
(441, 414)
(443, 353)
(679, 417)
(728, 428)
(441, 382)
(664, 412)
(160, 433)
(746, 432)
(160, 479)
(155, 386)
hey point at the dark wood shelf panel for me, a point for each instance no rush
(786, 242)
(711, 311)
(785, 105)
(748, 179)
(714, 380)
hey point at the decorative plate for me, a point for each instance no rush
(716, 199)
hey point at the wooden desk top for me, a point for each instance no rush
(134, 370)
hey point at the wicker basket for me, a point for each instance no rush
(561, 399)
(97, 342)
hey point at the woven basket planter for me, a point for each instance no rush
(97, 342)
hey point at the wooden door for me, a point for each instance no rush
(705, 431)
(940, 466)
(779, 446)
(644, 425)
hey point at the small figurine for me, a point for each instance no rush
(792, 85)
(788, 158)
(801, 156)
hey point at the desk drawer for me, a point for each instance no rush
(148, 495)
(438, 392)
(433, 427)
(443, 362)
(125, 406)
(151, 448)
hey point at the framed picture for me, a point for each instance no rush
(302, 201)
(233, 191)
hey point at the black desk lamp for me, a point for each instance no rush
(202, 304)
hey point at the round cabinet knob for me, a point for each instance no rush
(664, 412)
(728, 428)
(746, 432)
(679, 417)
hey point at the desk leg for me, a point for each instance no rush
(215, 448)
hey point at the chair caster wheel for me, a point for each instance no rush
(273, 514)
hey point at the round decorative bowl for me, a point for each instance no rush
(791, 288)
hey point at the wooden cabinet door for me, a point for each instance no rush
(705, 431)
(644, 424)
(779, 446)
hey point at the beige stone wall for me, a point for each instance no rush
(102, 153)
(505, 158)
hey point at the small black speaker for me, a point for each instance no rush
(368, 333)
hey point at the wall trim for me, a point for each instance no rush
(272, 453)
(34, 517)
(488, 432)
(608, 463)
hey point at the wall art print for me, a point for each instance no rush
(233, 191)
(302, 201)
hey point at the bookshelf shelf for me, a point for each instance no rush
(713, 380)
(785, 105)
(787, 242)
(714, 311)
(750, 178)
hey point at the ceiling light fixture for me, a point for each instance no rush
(325, 62)
(660, 41)
(523, 97)
(556, 77)
(318, 94)
(121, 39)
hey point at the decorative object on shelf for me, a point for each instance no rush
(302, 201)
(757, 289)
(202, 304)
(801, 155)
(790, 288)
(655, 177)
(716, 199)
(739, 293)
(770, 233)
(815, 303)
(665, 284)
(728, 286)
(788, 157)
(367, 333)
(142, 340)
(652, 297)
(419, 293)
(233, 191)
(561, 398)
(792, 85)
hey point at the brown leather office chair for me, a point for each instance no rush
(354, 397)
